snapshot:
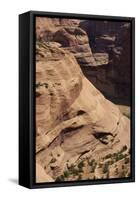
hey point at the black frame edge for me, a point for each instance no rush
(133, 99)
(24, 93)
(80, 15)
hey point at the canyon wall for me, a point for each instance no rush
(80, 134)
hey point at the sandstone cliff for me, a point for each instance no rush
(80, 134)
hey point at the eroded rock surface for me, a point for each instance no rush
(74, 121)
(76, 41)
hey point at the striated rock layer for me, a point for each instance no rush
(101, 48)
(77, 127)
(75, 40)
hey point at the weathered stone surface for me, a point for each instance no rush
(73, 119)
(76, 41)
(45, 27)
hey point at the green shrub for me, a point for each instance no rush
(119, 156)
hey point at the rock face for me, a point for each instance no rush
(78, 129)
(101, 30)
(69, 35)
(45, 27)
(75, 40)
(113, 39)
(101, 48)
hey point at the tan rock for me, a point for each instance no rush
(73, 118)
(41, 175)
